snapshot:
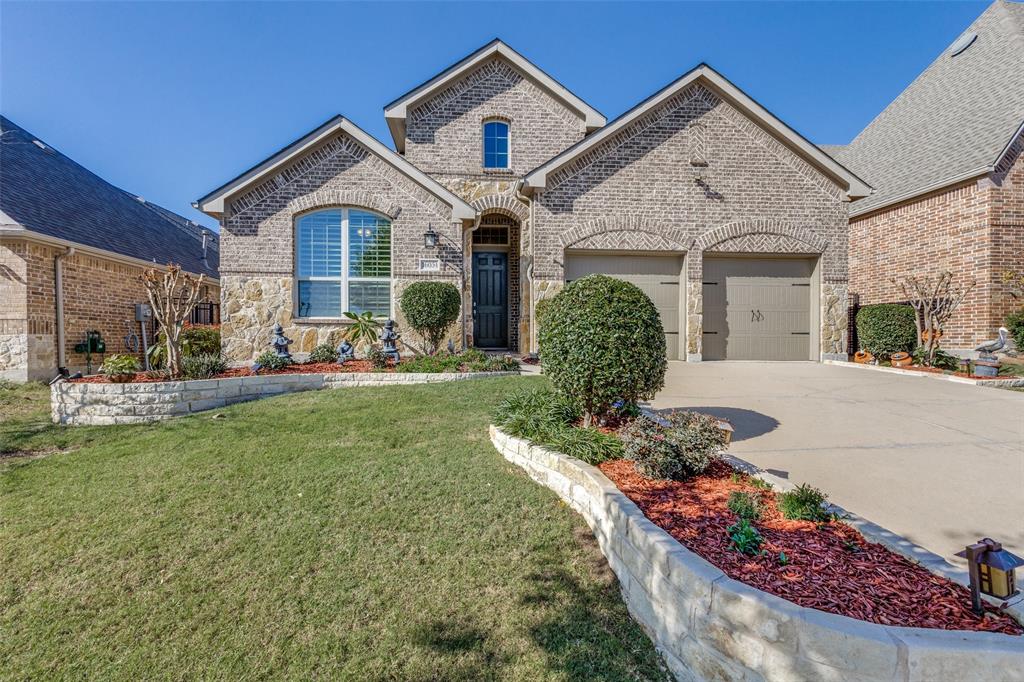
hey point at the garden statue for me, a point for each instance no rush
(280, 343)
(346, 352)
(987, 364)
(389, 338)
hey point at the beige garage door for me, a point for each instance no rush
(656, 276)
(757, 309)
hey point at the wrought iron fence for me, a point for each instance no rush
(205, 313)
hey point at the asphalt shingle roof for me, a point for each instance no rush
(954, 119)
(46, 192)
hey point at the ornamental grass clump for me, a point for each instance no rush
(684, 448)
(804, 503)
(602, 341)
(543, 417)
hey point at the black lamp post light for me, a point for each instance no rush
(991, 570)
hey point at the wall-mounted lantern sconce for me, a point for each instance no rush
(991, 569)
(430, 237)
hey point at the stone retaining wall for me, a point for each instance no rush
(708, 626)
(103, 404)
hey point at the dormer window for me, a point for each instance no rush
(495, 144)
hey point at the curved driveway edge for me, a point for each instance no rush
(709, 626)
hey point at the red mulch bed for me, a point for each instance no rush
(936, 370)
(312, 368)
(831, 567)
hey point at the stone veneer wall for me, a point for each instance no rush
(79, 404)
(974, 229)
(754, 196)
(708, 626)
(99, 294)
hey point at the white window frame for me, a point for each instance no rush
(344, 279)
(483, 144)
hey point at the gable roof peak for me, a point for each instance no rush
(396, 112)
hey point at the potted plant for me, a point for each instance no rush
(120, 368)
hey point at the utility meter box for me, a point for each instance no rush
(143, 313)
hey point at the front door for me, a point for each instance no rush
(490, 299)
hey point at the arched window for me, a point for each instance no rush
(342, 263)
(495, 144)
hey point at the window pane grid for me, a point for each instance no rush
(496, 144)
(330, 283)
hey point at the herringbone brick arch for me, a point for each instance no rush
(764, 233)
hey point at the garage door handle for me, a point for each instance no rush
(756, 316)
(801, 333)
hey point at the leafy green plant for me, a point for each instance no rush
(193, 340)
(744, 505)
(760, 483)
(431, 308)
(202, 366)
(744, 537)
(377, 357)
(430, 364)
(681, 450)
(783, 559)
(589, 445)
(602, 341)
(1015, 325)
(941, 359)
(886, 328)
(364, 328)
(271, 360)
(120, 364)
(323, 352)
(805, 503)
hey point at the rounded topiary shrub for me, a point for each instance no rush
(886, 328)
(602, 341)
(431, 308)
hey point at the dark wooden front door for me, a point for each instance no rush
(490, 300)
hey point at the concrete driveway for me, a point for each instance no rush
(940, 463)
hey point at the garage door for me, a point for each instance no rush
(757, 309)
(656, 276)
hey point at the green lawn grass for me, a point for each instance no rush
(363, 534)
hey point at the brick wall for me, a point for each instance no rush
(99, 294)
(974, 229)
(444, 135)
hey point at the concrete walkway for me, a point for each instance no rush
(940, 463)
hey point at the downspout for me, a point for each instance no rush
(58, 291)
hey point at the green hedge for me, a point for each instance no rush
(602, 340)
(886, 328)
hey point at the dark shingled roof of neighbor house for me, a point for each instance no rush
(46, 192)
(953, 122)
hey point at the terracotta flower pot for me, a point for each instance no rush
(863, 357)
(901, 360)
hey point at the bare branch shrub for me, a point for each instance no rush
(172, 295)
(935, 298)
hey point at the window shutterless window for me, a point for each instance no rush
(343, 263)
(495, 144)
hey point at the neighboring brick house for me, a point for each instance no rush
(59, 221)
(508, 185)
(946, 160)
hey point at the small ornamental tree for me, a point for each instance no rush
(431, 308)
(935, 298)
(602, 341)
(172, 295)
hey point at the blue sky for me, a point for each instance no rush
(171, 99)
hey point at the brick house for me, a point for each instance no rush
(945, 158)
(505, 183)
(72, 250)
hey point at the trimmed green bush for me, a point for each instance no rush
(681, 450)
(1015, 323)
(431, 308)
(194, 340)
(323, 352)
(203, 366)
(271, 360)
(886, 328)
(601, 341)
(803, 504)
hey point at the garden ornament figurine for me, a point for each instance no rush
(280, 343)
(389, 338)
(346, 352)
(989, 348)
